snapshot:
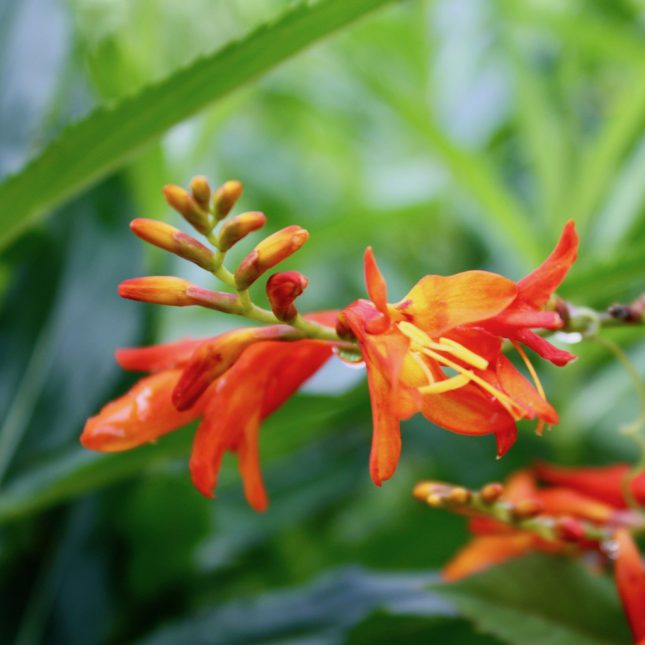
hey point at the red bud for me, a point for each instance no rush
(282, 290)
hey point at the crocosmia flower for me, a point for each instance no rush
(439, 351)
(231, 382)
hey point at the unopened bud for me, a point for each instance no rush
(159, 290)
(436, 500)
(225, 197)
(527, 508)
(201, 191)
(268, 253)
(239, 227)
(459, 495)
(422, 490)
(226, 302)
(215, 356)
(491, 492)
(282, 290)
(569, 529)
(172, 239)
(185, 204)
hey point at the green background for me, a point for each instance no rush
(449, 135)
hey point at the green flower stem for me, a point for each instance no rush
(248, 309)
(478, 504)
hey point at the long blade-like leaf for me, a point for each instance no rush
(102, 141)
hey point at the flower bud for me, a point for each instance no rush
(459, 495)
(527, 508)
(172, 239)
(239, 227)
(226, 302)
(268, 253)
(423, 489)
(491, 493)
(570, 529)
(225, 197)
(159, 290)
(184, 203)
(282, 290)
(167, 290)
(201, 191)
(214, 357)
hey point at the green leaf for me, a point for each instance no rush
(321, 611)
(541, 599)
(104, 140)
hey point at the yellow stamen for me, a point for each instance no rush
(444, 345)
(507, 403)
(531, 370)
(428, 347)
(418, 359)
(414, 333)
(465, 354)
(453, 383)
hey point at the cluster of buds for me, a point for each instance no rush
(527, 514)
(207, 211)
(574, 511)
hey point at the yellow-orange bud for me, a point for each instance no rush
(172, 239)
(184, 203)
(239, 227)
(201, 191)
(459, 495)
(527, 508)
(423, 489)
(214, 357)
(282, 290)
(491, 492)
(268, 253)
(168, 290)
(160, 290)
(225, 197)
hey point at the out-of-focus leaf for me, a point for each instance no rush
(322, 611)
(108, 136)
(74, 472)
(384, 628)
(541, 599)
(603, 282)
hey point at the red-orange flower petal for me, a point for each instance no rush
(375, 282)
(470, 411)
(563, 501)
(543, 347)
(141, 415)
(384, 355)
(156, 358)
(604, 483)
(436, 303)
(630, 581)
(487, 550)
(523, 393)
(536, 288)
(213, 357)
(265, 376)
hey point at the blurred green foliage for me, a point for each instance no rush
(448, 134)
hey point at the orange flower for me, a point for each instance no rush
(566, 505)
(231, 381)
(630, 581)
(438, 351)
